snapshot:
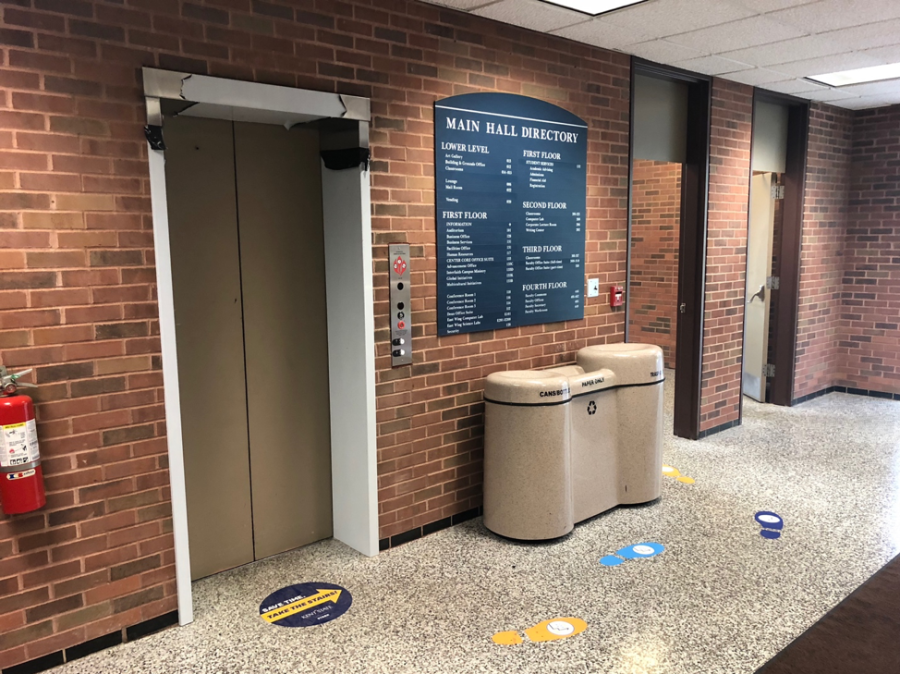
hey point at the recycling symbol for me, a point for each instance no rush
(592, 407)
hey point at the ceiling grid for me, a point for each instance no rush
(771, 44)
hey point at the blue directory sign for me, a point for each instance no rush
(510, 185)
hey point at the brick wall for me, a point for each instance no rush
(430, 414)
(726, 257)
(821, 256)
(77, 280)
(870, 310)
(655, 227)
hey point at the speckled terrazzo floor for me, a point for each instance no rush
(720, 599)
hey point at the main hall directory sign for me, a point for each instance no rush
(510, 174)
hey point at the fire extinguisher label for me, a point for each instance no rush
(18, 444)
(19, 476)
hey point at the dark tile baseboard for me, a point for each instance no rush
(418, 532)
(142, 629)
(811, 396)
(718, 429)
(884, 395)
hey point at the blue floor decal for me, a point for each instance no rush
(771, 524)
(638, 551)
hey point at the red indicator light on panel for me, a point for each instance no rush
(401, 325)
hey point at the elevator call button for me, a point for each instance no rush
(400, 318)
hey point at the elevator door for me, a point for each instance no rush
(245, 220)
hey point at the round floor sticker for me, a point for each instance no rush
(560, 628)
(305, 604)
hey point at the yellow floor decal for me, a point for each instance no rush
(549, 630)
(510, 638)
(669, 471)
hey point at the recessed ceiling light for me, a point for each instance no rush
(594, 7)
(845, 78)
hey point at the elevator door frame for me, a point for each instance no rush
(348, 281)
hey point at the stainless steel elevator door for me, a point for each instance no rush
(203, 230)
(245, 220)
(283, 274)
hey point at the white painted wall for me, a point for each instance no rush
(351, 356)
(770, 136)
(166, 302)
(660, 119)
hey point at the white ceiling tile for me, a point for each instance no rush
(540, 16)
(750, 32)
(763, 6)
(864, 37)
(601, 34)
(660, 18)
(712, 65)
(885, 88)
(827, 15)
(889, 54)
(461, 4)
(827, 64)
(797, 86)
(756, 76)
(865, 102)
(795, 49)
(829, 95)
(662, 51)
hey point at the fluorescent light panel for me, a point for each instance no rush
(594, 7)
(845, 78)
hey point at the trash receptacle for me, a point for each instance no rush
(565, 444)
(529, 465)
(639, 410)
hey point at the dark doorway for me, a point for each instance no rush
(768, 368)
(665, 288)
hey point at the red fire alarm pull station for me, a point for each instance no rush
(616, 296)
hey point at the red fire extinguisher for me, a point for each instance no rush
(21, 477)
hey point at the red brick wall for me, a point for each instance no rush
(870, 312)
(821, 256)
(726, 257)
(77, 280)
(430, 414)
(653, 282)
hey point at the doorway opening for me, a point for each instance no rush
(654, 243)
(667, 226)
(264, 282)
(778, 171)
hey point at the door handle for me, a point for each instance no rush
(760, 294)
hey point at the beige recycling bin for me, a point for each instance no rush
(565, 444)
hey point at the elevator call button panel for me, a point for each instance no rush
(401, 320)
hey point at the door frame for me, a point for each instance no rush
(348, 287)
(781, 391)
(692, 240)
